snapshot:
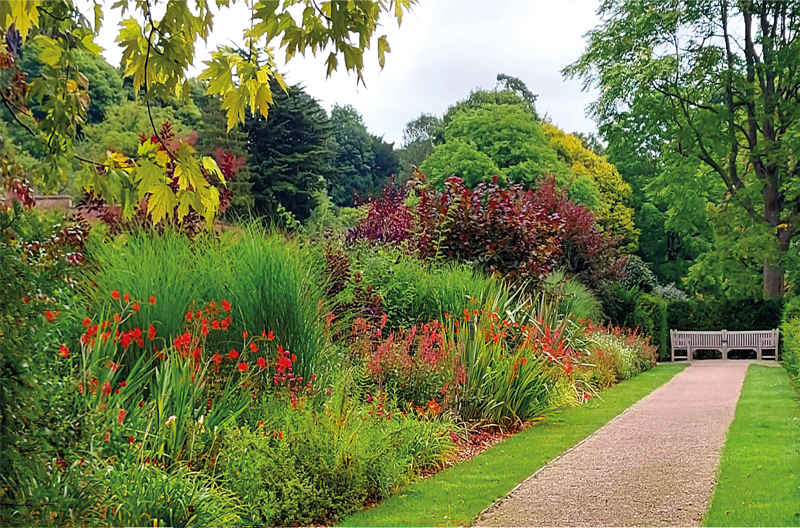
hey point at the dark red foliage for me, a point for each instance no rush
(388, 220)
(517, 232)
(363, 303)
(508, 230)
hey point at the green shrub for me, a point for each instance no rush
(313, 465)
(791, 310)
(637, 274)
(728, 314)
(137, 494)
(790, 335)
(654, 323)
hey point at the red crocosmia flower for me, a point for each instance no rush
(121, 416)
(136, 307)
(225, 323)
(198, 314)
(115, 294)
(262, 363)
(151, 332)
(152, 300)
(253, 348)
(117, 318)
(270, 335)
(294, 358)
(126, 297)
(226, 305)
(587, 396)
(260, 424)
(243, 366)
(123, 383)
(524, 360)
(63, 351)
(244, 334)
(49, 315)
(215, 324)
(130, 440)
(141, 403)
(233, 354)
(198, 353)
(280, 435)
(216, 359)
(86, 322)
(106, 390)
(189, 315)
(108, 436)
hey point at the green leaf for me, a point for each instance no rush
(383, 49)
(210, 165)
(50, 52)
(160, 202)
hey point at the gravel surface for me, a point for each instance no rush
(653, 465)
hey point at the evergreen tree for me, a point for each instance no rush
(290, 153)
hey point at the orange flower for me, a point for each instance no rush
(86, 321)
(233, 354)
(253, 348)
(121, 416)
(151, 332)
(226, 305)
(115, 294)
(189, 315)
(270, 335)
(136, 307)
(49, 315)
(126, 297)
(152, 300)
(63, 351)
(262, 363)
(243, 366)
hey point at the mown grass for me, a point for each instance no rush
(457, 495)
(759, 475)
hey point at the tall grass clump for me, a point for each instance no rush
(265, 277)
(414, 291)
(573, 297)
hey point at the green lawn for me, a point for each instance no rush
(458, 494)
(759, 477)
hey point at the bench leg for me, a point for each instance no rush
(689, 354)
(724, 353)
(758, 354)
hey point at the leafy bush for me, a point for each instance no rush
(729, 314)
(621, 352)
(670, 292)
(637, 274)
(314, 465)
(791, 310)
(459, 158)
(790, 356)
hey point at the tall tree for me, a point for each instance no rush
(721, 80)
(355, 158)
(290, 153)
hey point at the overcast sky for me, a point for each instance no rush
(444, 49)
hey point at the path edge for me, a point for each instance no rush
(499, 501)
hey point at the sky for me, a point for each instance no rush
(442, 51)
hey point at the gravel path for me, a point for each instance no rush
(653, 465)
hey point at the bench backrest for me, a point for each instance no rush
(716, 339)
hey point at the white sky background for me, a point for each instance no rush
(443, 50)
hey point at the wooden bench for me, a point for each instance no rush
(724, 341)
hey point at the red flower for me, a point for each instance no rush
(244, 334)
(117, 318)
(524, 360)
(49, 315)
(130, 439)
(226, 305)
(121, 416)
(587, 396)
(243, 366)
(151, 332)
(136, 307)
(126, 297)
(123, 383)
(225, 323)
(294, 358)
(215, 324)
(280, 435)
(189, 315)
(86, 322)
(115, 294)
(64, 351)
(253, 348)
(262, 363)
(270, 335)
(152, 300)
(106, 390)
(216, 359)
(233, 354)
(108, 436)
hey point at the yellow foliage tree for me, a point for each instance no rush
(612, 212)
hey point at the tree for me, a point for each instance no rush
(420, 136)
(721, 80)
(157, 52)
(480, 98)
(612, 211)
(459, 158)
(516, 85)
(386, 161)
(510, 137)
(290, 154)
(355, 159)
